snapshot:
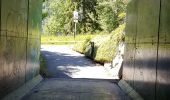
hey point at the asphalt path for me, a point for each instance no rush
(63, 62)
(70, 73)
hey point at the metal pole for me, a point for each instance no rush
(75, 31)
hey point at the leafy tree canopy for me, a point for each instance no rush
(95, 15)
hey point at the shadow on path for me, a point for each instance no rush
(62, 62)
(83, 82)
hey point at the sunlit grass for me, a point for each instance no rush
(64, 40)
(105, 46)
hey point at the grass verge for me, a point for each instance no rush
(105, 46)
(64, 40)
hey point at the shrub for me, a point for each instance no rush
(106, 51)
(81, 46)
(118, 33)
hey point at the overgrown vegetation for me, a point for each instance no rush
(104, 45)
(81, 46)
(105, 18)
(59, 20)
(95, 16)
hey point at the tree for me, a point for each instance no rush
(111, 14)
(95, 15)
(60, 17)
(89, 15)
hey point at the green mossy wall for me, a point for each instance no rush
(20, 25)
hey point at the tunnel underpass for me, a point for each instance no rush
(145, 67)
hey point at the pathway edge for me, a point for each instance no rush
(129, 90)
(24, 89)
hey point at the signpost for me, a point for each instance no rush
(75, 17)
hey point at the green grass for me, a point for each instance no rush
(105, 46)
(64, 40)
(106, 51)
(81, 46)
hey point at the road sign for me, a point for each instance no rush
(75, 16)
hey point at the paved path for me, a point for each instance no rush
(76, 89)
(63, 62)
(66, 83)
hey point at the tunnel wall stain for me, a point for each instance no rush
(147, 56)
(20, 25)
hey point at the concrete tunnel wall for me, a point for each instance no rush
(20, 25)
(147, 55)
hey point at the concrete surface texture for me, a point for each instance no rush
(63, 62)
(20, 25)
(74, 77)
(147, 56)
(76, 89)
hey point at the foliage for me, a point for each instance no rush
(105, 45)
(111, 14)
(44, 14)
(81, 46)
(88, 15)
(106, 51)
(60, 17)
(95, 16)
(119, 33)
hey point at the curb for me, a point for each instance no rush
(129, 90)
(24, 89)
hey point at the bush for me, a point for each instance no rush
(118, 34)
(106, 51)
(81, 46)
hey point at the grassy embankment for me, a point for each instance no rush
(105, 46)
